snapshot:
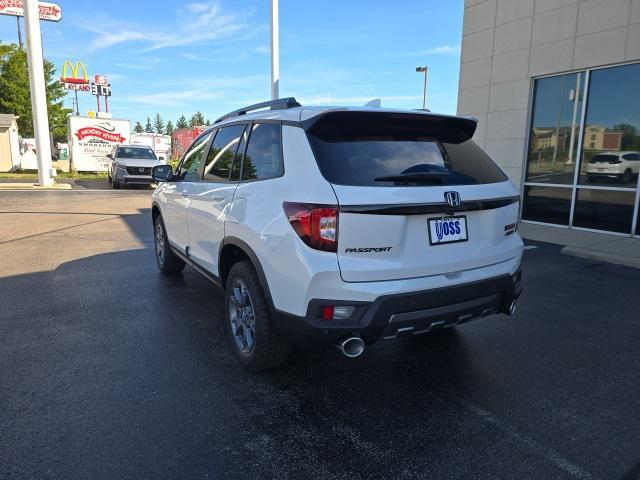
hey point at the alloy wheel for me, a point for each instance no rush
(159, 243)
(242, 316)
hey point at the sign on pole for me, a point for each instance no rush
(48, 11)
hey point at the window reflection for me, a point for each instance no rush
(555, 128)
(604, 210)
(611, 145)
(547, 204)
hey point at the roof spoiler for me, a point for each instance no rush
(351, 125)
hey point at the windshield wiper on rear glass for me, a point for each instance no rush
(417, 177)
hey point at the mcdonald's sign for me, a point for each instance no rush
(78, 80)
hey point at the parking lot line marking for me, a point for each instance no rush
(558, 460)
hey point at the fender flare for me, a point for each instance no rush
(244, 246)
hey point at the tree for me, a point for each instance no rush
(630, 139)
(158, 124)
(182, 122)
(197, 119)
(138, 128)
(148, 128)
(15, 93)
(208, 122)
(168, 130)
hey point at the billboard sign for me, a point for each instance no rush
(48, 11)
(78, 80)
(91, 139)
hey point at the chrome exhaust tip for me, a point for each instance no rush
(351, 347)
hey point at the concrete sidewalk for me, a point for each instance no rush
(588, 245)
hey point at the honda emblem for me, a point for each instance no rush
(452, 199)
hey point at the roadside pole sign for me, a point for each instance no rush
(101, 88)
(50, 12)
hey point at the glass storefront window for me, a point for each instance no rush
(547, 204)
(611, 148)
(584, 147)
(609, 210)
(555, 126)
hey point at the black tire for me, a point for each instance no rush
(269, 349)
(592, 179)
(168, 262)
(627, 176)
(115, 184)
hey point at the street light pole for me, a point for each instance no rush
(275, 52)
(424, 92)
(38, 91)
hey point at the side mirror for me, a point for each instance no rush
(162, 173)
(109, 156)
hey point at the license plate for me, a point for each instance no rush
(448, 230)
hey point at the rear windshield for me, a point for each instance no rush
(603, 158)
(135, 152)
(379, 151)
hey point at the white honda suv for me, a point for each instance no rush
(345, 226)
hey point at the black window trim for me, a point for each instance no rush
(253, 180)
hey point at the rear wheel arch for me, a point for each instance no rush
(235, 250)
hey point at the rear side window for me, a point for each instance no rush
(263, 158)
(222, 153)
(384, 150)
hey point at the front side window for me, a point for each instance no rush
(135, 153)
(263, 159)
(193, 159)
(222, 153)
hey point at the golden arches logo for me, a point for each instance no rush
(78, 68)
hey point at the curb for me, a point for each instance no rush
(601, 256)
(34, 186)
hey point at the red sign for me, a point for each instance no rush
(99, 133)
(48, 11)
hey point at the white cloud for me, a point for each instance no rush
(195, 23)
(441, 50)
(263, 49)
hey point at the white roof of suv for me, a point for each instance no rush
(288, 109)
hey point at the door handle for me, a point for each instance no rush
(218, 198)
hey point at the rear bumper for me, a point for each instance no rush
(404, 314)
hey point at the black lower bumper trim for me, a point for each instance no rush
(404, 314)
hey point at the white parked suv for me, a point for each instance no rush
(343, 226)
(622, 166)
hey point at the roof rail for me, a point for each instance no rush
(279, 104)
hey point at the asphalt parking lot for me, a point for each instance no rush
(109, 370)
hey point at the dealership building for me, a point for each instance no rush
(555, 86)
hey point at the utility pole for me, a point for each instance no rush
(19, 32)
(275, 52)
(424, 92)
(38, 91)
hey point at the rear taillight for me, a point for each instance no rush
(316, 225)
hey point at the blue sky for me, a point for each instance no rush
(213, 56)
